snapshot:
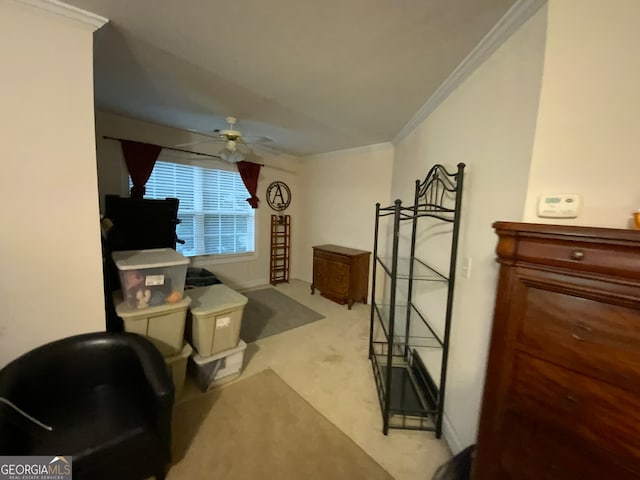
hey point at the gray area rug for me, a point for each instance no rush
(269, 312)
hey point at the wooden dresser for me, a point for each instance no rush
(562, 393)
(341, 274)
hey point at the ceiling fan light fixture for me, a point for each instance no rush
(231, 156)
(234, 141)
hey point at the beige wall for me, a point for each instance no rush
(239, 272)
(339, 193)
(488, 123)
(51, 282)
(589, 118)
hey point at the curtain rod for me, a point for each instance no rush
(175, 149)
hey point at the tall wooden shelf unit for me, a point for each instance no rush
(411, 396)
(280, 246)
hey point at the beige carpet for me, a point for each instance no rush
(259, 428)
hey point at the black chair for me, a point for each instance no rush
(107, 398)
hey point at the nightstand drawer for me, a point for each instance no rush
(338, 277)
(332, 257)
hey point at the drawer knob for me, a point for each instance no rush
(582, 326)
(572, 398)
(577, 255)
(577, 337)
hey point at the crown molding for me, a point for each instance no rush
(67, 11)
(515, 17)
(361, 149)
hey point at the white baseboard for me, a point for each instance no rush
(450, 436)
(247, 284)
(261, 282)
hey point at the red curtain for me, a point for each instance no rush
(249, 172)
(140, 159)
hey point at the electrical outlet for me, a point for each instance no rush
(466, 267)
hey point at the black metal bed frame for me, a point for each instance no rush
(409, 397)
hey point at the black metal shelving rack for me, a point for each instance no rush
(409, 396)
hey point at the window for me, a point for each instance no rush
(215, 216)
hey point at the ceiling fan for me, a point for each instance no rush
(236, 145)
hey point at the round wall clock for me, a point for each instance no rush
(278, 196)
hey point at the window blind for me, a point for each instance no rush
(215, 216)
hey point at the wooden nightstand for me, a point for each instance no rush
(341, 274)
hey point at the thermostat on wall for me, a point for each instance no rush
(559, 206)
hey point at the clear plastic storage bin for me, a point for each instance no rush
(150, 278)
(163, 325)
(215, 318)
(215, 369)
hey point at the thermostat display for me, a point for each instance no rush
(559, 206)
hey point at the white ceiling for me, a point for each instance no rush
(316, 76)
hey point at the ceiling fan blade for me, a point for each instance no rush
(201, 142)
(213, 136)
(257, 139)
(265, 148)
(231, 134)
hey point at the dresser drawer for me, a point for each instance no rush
(599, 416)
(533, 450)
(333, 257)
(594, 337)
(581, 256)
